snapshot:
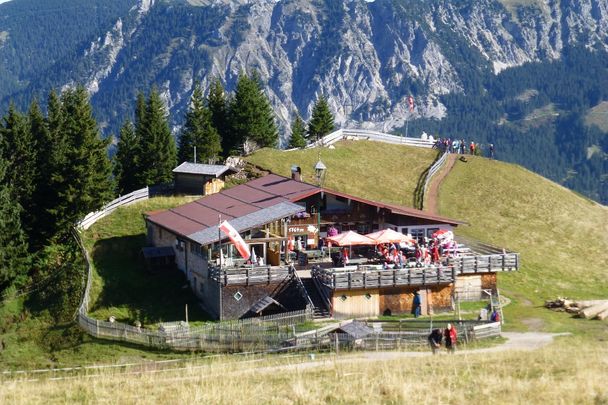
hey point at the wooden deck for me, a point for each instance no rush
(362, 277)
(374, 276)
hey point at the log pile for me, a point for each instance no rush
(585, 309)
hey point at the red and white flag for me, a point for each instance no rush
(235, 237)
(410, 102)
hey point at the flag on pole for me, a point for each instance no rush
(234, 236)
(410, 102)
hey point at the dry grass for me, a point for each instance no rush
(373, 170)
(568, 372)
(598, 116)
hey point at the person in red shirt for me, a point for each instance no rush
(450, 336)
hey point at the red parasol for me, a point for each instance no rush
(350, 238)
(443, 234)
(389, 236)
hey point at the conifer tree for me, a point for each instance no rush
(20, 155)
(83, 184)
(218, 107)
(40, 133)
(126, 160)
(199, 132)
(321, 121)
(251, 117)
(158, 151)
(13, 246)
(298, 133)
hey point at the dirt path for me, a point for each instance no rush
(432, 197)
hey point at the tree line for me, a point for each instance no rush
(55, 168)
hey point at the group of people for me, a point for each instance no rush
(423, 253)
(449, 336)
(460, 146)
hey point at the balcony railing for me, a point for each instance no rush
(249, 275)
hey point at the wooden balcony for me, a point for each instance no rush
(363, 277)
(249, 275)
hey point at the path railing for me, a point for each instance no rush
(133, 197)
(363, 134)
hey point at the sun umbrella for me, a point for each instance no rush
(443, 234)
(350, 238)
(389, 236)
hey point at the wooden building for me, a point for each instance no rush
(200, 179)
(270, 213)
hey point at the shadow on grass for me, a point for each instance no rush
(130, 293)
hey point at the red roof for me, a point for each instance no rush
(253, 196)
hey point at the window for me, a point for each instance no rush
(179, 244)
(431, 231)
(238, 296)
(343, 297)
(417, 233)
(368, 296)
(196, 250)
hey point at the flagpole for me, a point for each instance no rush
(219, 235)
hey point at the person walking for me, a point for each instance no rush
(435, 340)
(416, 305)
(451, 336)
(491, 149)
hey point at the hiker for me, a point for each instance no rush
(472, 148)
(451, 336)
(435, 340)
(462, 146)
(491, 148)
(416, 305)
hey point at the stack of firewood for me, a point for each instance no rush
(585, 309)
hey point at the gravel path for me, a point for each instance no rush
(432, 199)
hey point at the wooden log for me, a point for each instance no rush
(587, 304)
(592, 312)
(602, 315)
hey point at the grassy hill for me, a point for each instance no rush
(372, 170)
(562, 237)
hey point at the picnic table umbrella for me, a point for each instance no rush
(389, 236)
(350, 238)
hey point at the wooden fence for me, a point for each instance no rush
(369, 277)
(249, 275)
(133, 197)
(484, 263)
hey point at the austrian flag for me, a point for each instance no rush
(234, 236)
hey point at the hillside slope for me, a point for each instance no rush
(366, 169)
(562, 237)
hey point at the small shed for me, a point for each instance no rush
(157, 259)
(266, 306)
(352, 333)
(199, 178)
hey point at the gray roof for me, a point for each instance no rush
(200, 168)
(264, 303)
(246, 222)
(356, 329)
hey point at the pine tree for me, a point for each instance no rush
(14, 258)
(298, 133)
(158, 151)
(321, 121)
(126, 160)
(251, 117)
(199, 132)
(218, 107)
(40, 133)
(83, 184)
(20, 153)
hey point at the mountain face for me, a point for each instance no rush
(367, 57)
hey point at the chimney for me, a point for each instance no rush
(296, 173)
